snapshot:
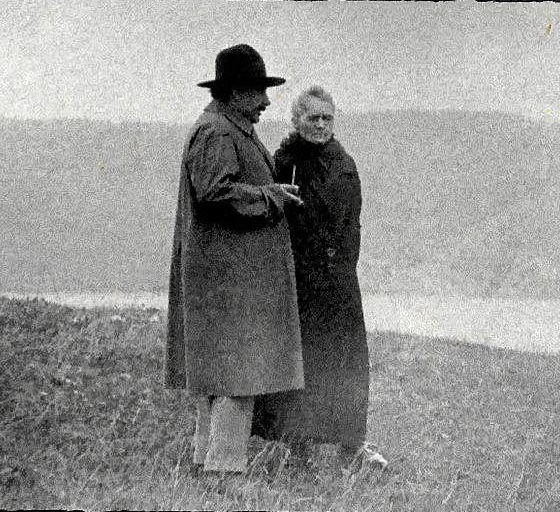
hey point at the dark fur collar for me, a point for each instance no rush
(294, 147)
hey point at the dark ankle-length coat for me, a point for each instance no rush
(233, 327)
(325, 235)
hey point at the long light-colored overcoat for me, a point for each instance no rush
(233, 325)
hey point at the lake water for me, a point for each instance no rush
(521, 324)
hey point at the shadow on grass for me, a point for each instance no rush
(86, 423)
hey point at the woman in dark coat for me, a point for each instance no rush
(325, 236)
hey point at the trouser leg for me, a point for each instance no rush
(202, 431)
(230, 430)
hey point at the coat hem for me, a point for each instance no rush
(245, 392)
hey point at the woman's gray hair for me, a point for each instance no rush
(315, 91)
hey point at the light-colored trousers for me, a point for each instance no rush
(223, 429)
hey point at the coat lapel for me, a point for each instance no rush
(263, 150)
(246, 128)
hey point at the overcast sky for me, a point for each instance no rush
(141, 59)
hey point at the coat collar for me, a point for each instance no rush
(237, 119)
(295, 145)
(242, 123)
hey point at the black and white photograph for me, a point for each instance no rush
(280, 255)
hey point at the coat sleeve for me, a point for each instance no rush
(218, 194)
(348, 235)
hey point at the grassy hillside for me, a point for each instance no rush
(86, 424)
(454, 202)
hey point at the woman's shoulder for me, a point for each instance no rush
(337, 152)
(289, 144)
(287, 152)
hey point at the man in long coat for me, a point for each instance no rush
(233, 317)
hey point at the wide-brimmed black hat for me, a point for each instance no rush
(241, 65)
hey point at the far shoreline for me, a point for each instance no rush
(512, 323)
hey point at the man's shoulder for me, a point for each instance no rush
(210, 127)
(211, 123)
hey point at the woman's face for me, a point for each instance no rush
(316, 123)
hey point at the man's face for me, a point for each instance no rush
(316, 123)
(250, 103)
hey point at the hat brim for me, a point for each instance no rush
(269, 81)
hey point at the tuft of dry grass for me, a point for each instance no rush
(86, 423)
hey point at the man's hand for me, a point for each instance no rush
(291, 193)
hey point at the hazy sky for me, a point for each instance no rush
(141, 59)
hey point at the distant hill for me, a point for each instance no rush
(459, 202)
(454, 202)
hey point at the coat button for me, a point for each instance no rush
(331, 252)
